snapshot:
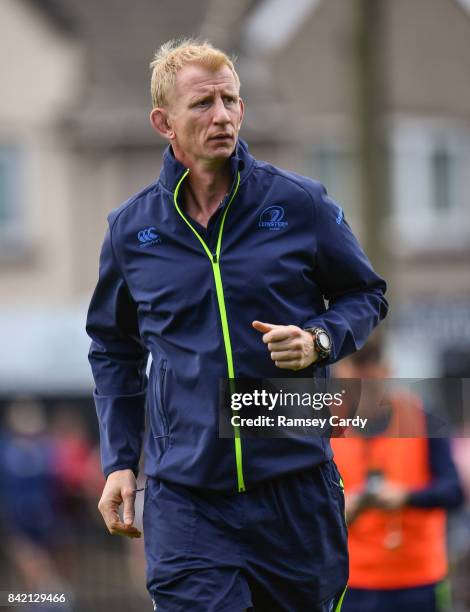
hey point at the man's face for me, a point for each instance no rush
(204, 113)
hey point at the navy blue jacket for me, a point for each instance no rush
(276, 249)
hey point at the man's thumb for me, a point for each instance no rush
(263, 327)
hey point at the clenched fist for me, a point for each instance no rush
(291, 348)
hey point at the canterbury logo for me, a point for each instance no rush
(148, 237)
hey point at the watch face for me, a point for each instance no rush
(323, 340)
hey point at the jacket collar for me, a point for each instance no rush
(172, 170)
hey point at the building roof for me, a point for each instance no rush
(118, 40)
(57, 13)
(118, 43)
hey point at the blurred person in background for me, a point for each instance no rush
(398, 491)
(76, 462)
(459, 528)
(30, 492)
(77, 471)
(187, 267)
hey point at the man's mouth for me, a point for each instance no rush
(221, 137)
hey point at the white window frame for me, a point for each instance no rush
(418, 225)
(14, 233)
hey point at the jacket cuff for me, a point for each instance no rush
(116, 468)
(317, 322)
(121, 422)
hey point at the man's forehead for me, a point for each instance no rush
(195, 78)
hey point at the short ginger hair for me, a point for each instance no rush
(175, 54)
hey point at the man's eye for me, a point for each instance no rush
(202, 103)
(229, 100)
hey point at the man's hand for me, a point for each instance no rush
(120, 488)
(390, 497)
(291, 348)
(355, 504)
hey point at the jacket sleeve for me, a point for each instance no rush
(118, 361)
(355, 293)
(444, 490)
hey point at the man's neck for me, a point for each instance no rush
(205, 188)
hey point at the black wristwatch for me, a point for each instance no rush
(321, 342)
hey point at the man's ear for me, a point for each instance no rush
(242, 111)
(161, 123)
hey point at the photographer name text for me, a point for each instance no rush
(283, 421)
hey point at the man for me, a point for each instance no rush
(218, 269)
(399, 485)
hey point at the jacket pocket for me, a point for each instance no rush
(163, 430)
(159, 423)
(333, 477)
(336, 484)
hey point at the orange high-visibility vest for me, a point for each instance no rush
(402, 548)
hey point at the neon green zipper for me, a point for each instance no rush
(214, 258)
(341, 599)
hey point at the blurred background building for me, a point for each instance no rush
(372, 97)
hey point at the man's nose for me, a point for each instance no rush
(221, 114)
